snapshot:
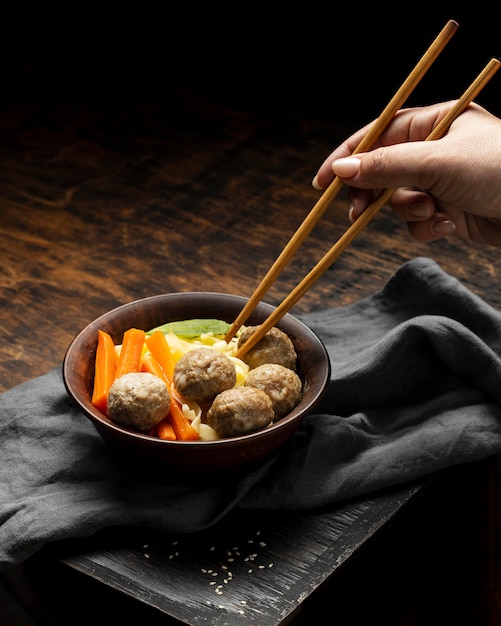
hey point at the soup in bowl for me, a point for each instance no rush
(218, 451)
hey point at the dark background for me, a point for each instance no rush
(343, 64)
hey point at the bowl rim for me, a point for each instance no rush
(102, 421)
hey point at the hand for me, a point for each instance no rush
(449, 185)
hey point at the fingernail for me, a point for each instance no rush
(444, 227)
(421, 209)
(315, 184)
(350, 214)
(346, 168)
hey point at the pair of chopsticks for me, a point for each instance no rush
(343, 242)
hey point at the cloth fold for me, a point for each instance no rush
(416, 371)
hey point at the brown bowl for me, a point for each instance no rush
(237, 452)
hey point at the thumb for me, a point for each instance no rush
(401, 165)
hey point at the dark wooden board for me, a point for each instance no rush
(251, 568)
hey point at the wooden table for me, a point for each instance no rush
(108, 195)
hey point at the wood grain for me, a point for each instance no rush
(100, 209)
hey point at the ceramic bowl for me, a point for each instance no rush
(313, 366)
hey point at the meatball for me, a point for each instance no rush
(274, 347)
(239, 411)
(202, 373)
(282, 385)
(138, 399)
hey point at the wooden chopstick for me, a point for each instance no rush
(333, 189)
(344, 241)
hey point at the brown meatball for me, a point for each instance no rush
(202, 373)
(138, 399)
(274, 347)
(282, 385)
(239, 411)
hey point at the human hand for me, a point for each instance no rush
(445, 186)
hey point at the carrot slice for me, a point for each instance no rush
(106, 361)
(129, 359)
(181, 425)
(151, 365)
(165, 430)
(158, 346)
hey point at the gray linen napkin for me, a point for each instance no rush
(416, 373)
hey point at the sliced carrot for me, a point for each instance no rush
(151, 365)
(106, 361)
(159, 348)
(182, 426)
(129, 359)
(165, 430)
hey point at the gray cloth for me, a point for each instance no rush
(416, 372)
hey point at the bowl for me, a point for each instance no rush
(239, 452)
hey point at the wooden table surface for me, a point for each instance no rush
(107, 196)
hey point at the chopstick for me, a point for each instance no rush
(344, 241)
(333, 189)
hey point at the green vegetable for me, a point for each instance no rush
(193, 328)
